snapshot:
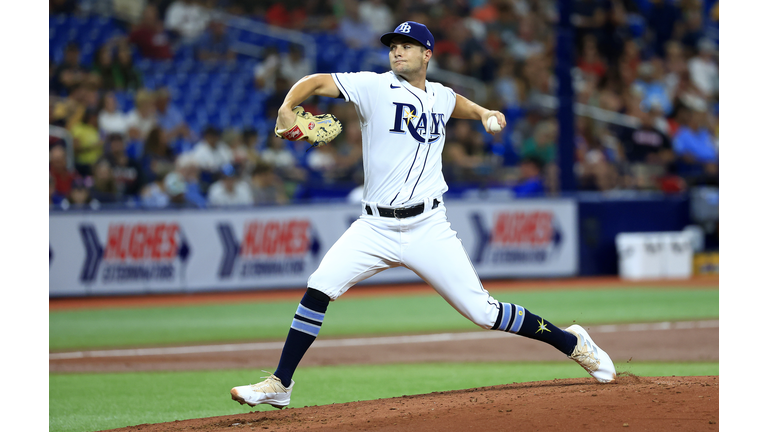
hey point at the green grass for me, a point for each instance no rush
(83, 329)
(89, 402)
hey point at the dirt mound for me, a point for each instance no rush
(635, 403)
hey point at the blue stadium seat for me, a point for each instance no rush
(143, 65)
(184, 53)
(86, 53)
(216, 94)
(57, 20)
(194, 125)
(236, 122)
(184, 65)
(124, 100)
(149, 82)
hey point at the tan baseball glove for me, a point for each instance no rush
(318, 130)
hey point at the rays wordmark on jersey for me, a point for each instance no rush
(406, 118)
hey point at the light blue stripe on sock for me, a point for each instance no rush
(506, 310)
(307, 328)
(309, 313)
(518, 319)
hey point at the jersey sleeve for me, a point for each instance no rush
(360, 88)
(451, 99)
(449, 95)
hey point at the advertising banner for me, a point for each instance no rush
(96, 253)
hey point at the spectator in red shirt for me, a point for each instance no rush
(288, 14)
(150, 37)
(58, 170)
(590, 61)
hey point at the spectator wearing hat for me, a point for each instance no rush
(229, 190)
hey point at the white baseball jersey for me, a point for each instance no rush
(403, 137)
(403, 130)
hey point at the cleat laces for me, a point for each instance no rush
(271, 384)
(584, 354)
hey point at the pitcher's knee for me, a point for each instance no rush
(483, 319)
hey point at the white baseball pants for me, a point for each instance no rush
(425, 243)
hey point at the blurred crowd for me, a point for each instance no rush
(652, 61)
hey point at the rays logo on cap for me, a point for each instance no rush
(404, 28)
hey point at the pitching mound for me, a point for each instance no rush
(635, 403)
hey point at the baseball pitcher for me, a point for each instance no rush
(403, 222)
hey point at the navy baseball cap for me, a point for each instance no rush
(416, 31)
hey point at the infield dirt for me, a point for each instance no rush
(631, 403)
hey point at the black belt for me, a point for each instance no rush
(401, 212)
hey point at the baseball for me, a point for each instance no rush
(493, 124)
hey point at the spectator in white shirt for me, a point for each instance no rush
(355, 32)
(378, 16)
(703, 68)
(142, 118)
(525, 45)
(211, 153)
(295, 65)
(111, 119)
(187, 19)
(230, 189)
(277, 153)
(265, 73)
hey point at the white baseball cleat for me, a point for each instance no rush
(591, 357)
(270, 391)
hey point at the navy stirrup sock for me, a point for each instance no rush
(304, 330)
(516, 319)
